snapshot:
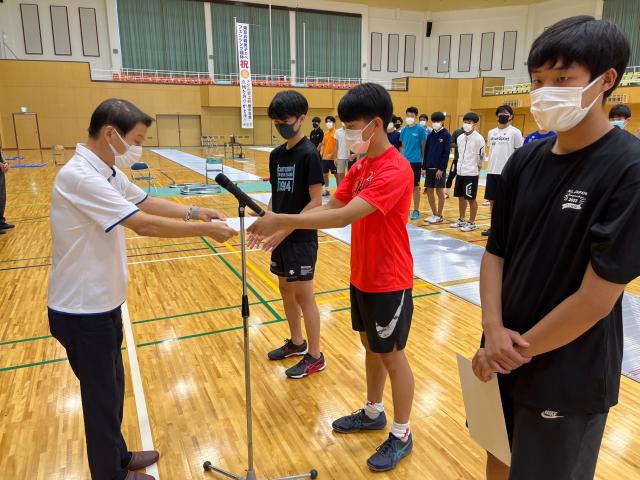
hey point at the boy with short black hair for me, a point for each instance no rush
(393, 133)
(424, 121)
(317, 134)
(454, 164)
(436, 158)
(620, 115)
(329, 152)
(414, 138)
(374, 197)
(295, 174)
(471, 147)
(503, 141)
(563, 246)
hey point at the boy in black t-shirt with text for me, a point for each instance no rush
(563, 245)
(295, 173)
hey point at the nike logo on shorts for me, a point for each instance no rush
(550, 415)
(386, 332)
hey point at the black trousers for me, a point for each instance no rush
(93, 344)
(452, 174)
(3, 197)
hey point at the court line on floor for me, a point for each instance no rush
(202, 334)
(255, 270)
(187, 314)
(138, 390)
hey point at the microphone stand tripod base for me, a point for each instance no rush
(251, 475)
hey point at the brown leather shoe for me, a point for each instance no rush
(138, 476)
(142, 459)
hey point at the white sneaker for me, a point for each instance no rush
(458, 223)
(430, 219)
(437, 219)
(468, 227)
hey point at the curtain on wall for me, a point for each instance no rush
(626, 14)
(224, 47)
(163, 35)
(328, 45)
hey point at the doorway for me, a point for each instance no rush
(27, 131)
(179, 130)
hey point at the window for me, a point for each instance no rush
(31, 29)
(444, 53)
(509, 50)
(89, 32)
(392, 58)
(60, 28)
(486, 51)
(376, 52)
(409, 53)
(464, 52)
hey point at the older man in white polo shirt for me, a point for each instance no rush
(92, 200)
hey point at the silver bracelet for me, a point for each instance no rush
(187, 215)
(195, 213)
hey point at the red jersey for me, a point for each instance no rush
(381, 258)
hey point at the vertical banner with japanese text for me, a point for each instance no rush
(244, 70)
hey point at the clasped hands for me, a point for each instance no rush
(503, 352)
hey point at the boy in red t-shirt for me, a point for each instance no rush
(375, 197)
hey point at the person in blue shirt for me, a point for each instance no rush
(393, 133)
(538, 135)
(414, 137)
(436, 158)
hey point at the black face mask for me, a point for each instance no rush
(398, 126)
(503, 119)
(315, 125)
(287, 131)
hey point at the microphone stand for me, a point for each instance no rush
(251, 474)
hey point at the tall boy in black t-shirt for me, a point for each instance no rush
(563, 245)
(295, 173)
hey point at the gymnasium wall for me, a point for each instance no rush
(63, 96)
(528, 21)
(11, 27)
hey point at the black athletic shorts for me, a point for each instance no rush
(385, 317)
(491, 189)
(329, 166)
(431, 181)
(417, 173)
(552, 445)
(295, 261)
(466, 187)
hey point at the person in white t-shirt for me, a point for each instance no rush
(502, 141)
(343, 154)
(91, 202)
(471, 155)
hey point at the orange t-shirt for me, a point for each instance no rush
(329, 144)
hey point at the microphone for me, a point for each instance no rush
(234, 190)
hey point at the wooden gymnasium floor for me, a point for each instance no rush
(183, 304)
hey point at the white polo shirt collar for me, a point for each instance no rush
(96, 162)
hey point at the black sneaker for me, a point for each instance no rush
(486, 233)
(289, 349)
(359, 421)
(6, 226)
(389, 454)
(2, 232)
(306, 366)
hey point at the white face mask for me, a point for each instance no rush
(355, 142)
(560, 108)
(437, 125)
(468, 127)
(329, 125)
(391, 127)
(618, 123)
(130, 156)
(410, 120)
(423, 123)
